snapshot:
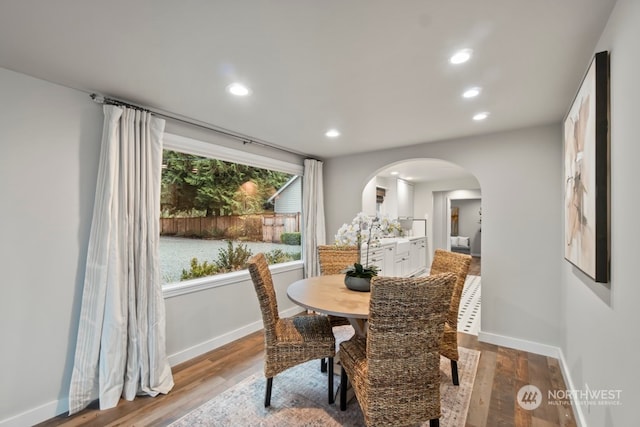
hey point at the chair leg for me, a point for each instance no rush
(330, 386)
(267, 394)
(434, 422)
(344, 381)
(323, 365)
(454, 372)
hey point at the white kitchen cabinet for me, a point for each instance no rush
(376, 257)
(403, 263)
(422, 248)
(398, 257)
(405, 199)
(417, 255)
(382, 257)
(388, 260)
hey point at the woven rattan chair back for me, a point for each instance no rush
(400, 309)
(263, 283)
(398, 381)
(458, 264)
(333, 259)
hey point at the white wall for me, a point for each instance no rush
(48, 163)
(369, 198)
(201, 321)
(600, 340)
(519, 173)
(49, 149)
(390, 206)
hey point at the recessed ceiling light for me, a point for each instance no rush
(332, 133)
(480, 116)
(472, 92)
(238, 89)
(395, 173)
(460, 56)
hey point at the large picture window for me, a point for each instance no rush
(216, 212)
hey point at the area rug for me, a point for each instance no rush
(299, 398)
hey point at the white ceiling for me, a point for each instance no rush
(377, 70)
(424, 170)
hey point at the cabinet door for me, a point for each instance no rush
(376, 257)
(422, 248)
(402, 265)
(414, 256)
(389, 261)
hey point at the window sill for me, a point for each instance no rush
(196, 285)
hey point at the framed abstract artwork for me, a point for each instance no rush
(586, 174)
(455, 215)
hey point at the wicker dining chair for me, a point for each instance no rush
(289, 341)
(457, 263)
(395, 370)
(333, 259)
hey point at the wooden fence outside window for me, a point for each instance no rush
(266, 227)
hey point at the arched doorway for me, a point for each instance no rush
(421, 193)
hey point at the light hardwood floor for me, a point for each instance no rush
(501, 373)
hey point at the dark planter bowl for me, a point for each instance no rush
(361, 284)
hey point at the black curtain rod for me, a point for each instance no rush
(242, 138)
(111, 101)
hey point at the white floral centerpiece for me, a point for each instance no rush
(365, 229)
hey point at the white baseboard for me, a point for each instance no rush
(57, 407)
(219, 341)
(519, 344)
(212, 344)
(543, 349)
(577, 409)
(37, 415)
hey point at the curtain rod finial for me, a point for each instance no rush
(97, 98)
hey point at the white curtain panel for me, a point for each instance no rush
(121, 348)
(313, 211)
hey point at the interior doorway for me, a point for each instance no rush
(424, 189)
(466, 223)
(457, 213)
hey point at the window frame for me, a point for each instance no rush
(207, 149)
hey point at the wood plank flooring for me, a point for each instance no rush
(501, 373)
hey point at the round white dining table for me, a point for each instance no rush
(329, 295)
